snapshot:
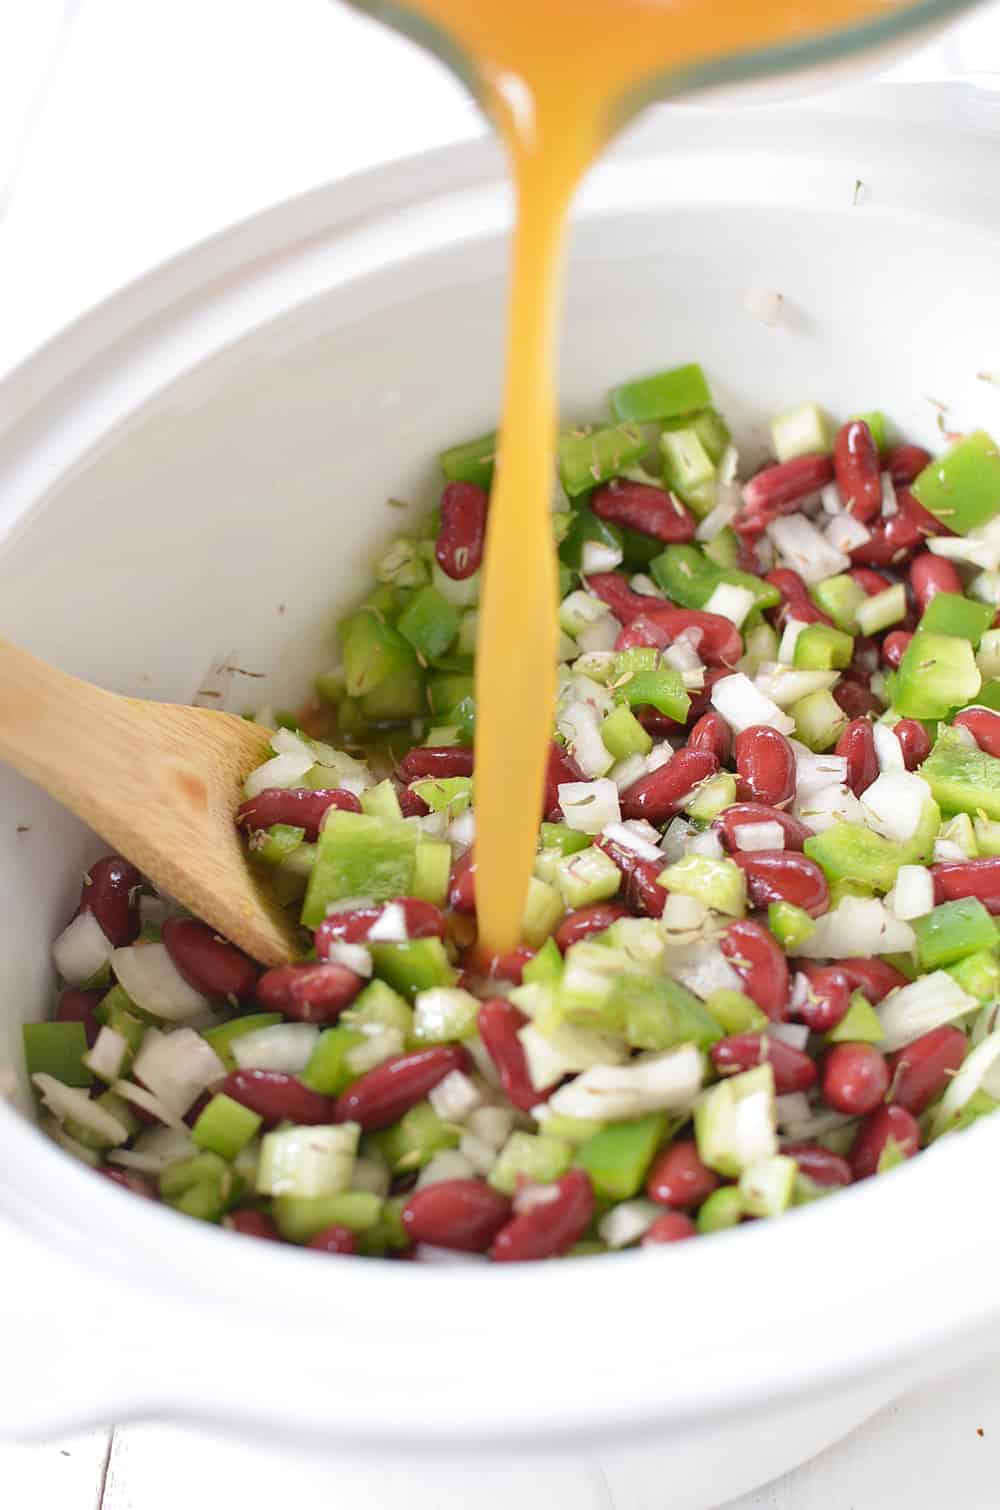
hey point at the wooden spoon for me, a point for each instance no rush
(161, 783)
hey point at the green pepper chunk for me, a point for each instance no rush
(300, 1217)
(860, 1023)
(689, 578)
(373, 652)
(819, 647)
(414, 1140)
(56, 1049)
(951, 613)
(937, 673)
(588, 457)
(223, 1037)
(617, 1158)
(790, 925)
(414, 966)
(962, 779)
(962, 488)
(359, 855)
(722, 1209)
(472, 461)
(585, 528)
(641, 681)
(662, 395)
(978, 975)
(430, 623)
(952, 931)
(657, 1013)
(225, 1127)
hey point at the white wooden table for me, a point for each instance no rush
(167, 120)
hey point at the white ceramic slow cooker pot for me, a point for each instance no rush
(197, 474)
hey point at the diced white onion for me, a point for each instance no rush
(479, 1153)
(449, 1164)
(427, 1253)
(455, 1097)
(802, 547)
(643, 584)
(814, 771)
(979, 1072)
(493, 1124)
(566, 1050)
(154, 1149)
(70, 1103)
(822, 808)
(663, 1082)
(890, 504)
(139, 1096)
(706, 843)
(81, 949)
(719, 518)
(355, 956)
(786, 685)
(627, 1222)
(283, 1046)
(894, 804)
(380, 1044)
(786, 650)
(659, 755)
(743, 705)
(281, 771)
(597, 557)
(580, 726)
(844, 534)
(705, 969)
(795, 1034)
(461, 831)
(589, 806)
(600, 635)
(755, 836)
(625, 835)
(913, 894)
(177, 1067)
(929, 1002)
(730, 602)
(150, 977)
(683, 914)
(830, 499)
(888, 748)
(390, 926)
(625, 773)
(108, 1055)
(861, 926)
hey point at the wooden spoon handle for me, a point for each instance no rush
(53, 727)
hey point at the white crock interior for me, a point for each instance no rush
(198, 472)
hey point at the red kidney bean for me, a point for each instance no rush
(551, 1228)
(561, 767)
(586, 921)
(983, 725)
(747, 558)
(914, 741)
(388, 1091)
(757, 958)
(894, 647)
(642, 890)
(411, 804)
(827, 1000)
(423, 921)
(462, 536)
(929, 575)
(334, 1240)
(857, 470)
(748, 813)
(872, 977)
(300, 806)
(195, 1110)
(499, 1023)
(781, 875)
(895, 539)
(276, 1097)
(721, 643)
(499, 966)
(130, 1179)
(954, 879)
(663, 792)
(855, 697)
(819, 1164)
(642, 631)
(888, 1124)
(308, 992)
(711, 733)
(671, 1227)
(857, 746)
(870, 582)
(110, 892)
(793, 1069)
(252, 1224)
(208, 963)
(923, 1069)
(636, 506)
(780, 489)
(613, 589)
(795, 600)
(437, 761)
(81, 1006)
(678, 1178)
(462, 1214)
(855, 1078)
(462, 886)
(905, 463)
(765, 767)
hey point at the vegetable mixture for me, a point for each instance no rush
(759, 956)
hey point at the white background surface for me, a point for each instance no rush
(158, 123)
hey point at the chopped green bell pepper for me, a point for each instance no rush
(822, 648)
(472, 461)
(588, 456)
(56, 1049)
(663, 395)
(414, 1140)
(414, 966)
(225, 1127)
(359, 856)
(962, 488)
(963, 779)
(951, 931)
(952, 614)
(689, 578)
(617, 1157)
